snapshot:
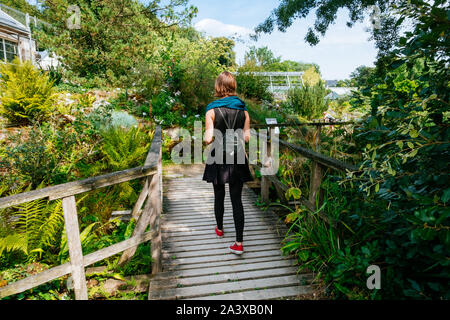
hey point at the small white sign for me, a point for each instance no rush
(273, 121)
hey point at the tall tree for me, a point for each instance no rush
(114, 37)
(288, 11)
(261, 57)
(22, 5)
(361, 76)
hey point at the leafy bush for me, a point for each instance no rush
(34, 229)
(26, 94)
(122, 119)
(394, 212)
(253, 87)
(124, 148)
(307, 101)
(32, 160)
(168, 110)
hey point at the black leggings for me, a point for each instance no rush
(236, 201)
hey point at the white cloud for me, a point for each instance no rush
(216, 28)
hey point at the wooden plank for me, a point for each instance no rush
(222, 257)
(168, 283)
(218, 251)
(155, 227)
(203, 219)
(153, 203)
(266, 294)
(140, 227)
(167, 247)
(209, 232)
(202, 290)
(211, 264)
(211, 222)
(170, 217)
(75, 250)
(209, 225)
(222, 269)
(229, 235)
(228, 219)
(135, 213)
(218, 241)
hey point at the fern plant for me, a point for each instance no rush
(26, 94)
(35, 228)
(124, 148)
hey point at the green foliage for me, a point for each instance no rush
(115, 37)
(46, 153)
(124, 148)
(405, 143)
(361, 76)
(25, 93)
(261, 58)
(168, 111)
(34, 229)
(326, 13)
(87, 238)
(252, 87)
(192, 66)
(260, 111)
(122, 119)
(22, 5)
(307, 101)
(394, 212)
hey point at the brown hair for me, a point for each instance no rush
(225, 85)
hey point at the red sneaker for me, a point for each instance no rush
(237, 249)
(219, 233)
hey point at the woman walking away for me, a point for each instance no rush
(229, 112)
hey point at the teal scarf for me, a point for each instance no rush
(231, 102)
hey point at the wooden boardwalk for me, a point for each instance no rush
(197, 265)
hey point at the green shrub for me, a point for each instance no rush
(26, 94)
(122, 119)
(253, 87)
(35, 229)
(40, 155)
(307, 101)
(168, 110)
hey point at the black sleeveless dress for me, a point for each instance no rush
(224, 173)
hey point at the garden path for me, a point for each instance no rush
(197, 265)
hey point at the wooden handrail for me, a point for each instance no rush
(152, 191)
(77, 187)
(319, 161)
(315, 156)
(300, 124)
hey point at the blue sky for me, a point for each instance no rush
(339, 53)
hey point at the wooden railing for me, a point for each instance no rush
(150, 215)
(320, 163)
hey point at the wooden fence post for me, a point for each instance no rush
(155, 219)
(266, 163)
(316, 173)
(75, 251)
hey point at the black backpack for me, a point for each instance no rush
(231, 145)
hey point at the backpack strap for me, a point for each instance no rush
(225, 120)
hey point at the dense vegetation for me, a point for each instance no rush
(394, 213)
(97, 113)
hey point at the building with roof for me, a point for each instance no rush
(15, 39)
